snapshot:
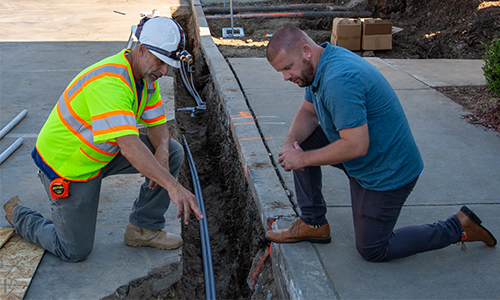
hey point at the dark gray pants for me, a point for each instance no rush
(375, 214)
(70, 233)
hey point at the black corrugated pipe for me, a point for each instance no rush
(208, 268)
(314, 14)
(226, 10)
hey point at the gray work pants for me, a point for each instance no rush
(70, 233)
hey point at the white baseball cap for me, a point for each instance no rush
(162, 36)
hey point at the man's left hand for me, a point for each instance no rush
(292, 159)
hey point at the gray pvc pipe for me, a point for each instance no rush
(13, 123)
(11, 149)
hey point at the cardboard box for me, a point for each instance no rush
(377, 34)
(346, 33)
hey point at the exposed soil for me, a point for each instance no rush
(453, 29)
(233, 221)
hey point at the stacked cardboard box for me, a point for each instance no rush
(346, 33)
(362, 34)
(377, 34)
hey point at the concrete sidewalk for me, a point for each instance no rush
(43, 45)
(461, 167)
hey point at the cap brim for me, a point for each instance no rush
(171, 62)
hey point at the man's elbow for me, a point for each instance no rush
(360, 150)
(126, 144)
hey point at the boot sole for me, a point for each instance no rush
(315, 241)
(146, 244)
(478, 221)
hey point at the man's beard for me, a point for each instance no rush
(307, 75)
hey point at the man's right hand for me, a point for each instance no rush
(185, 201)
(139, 155)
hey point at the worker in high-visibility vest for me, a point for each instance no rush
(92, 133)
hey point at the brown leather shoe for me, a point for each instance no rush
(472, 230)
(9, 208)
(300, 231)
(136, 236)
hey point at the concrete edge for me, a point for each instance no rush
(295, 279)
(270, 197)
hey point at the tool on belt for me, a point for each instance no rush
(59, 188)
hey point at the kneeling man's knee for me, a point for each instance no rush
(373, 254)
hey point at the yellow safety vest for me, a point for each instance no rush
(99, 105)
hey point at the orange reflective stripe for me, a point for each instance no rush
(79, 135)
(112, 113)
(85, 180)
(116, 129)
(99, 161)
(75, 93)
(154, 119)
(159, 103)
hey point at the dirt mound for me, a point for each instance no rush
(452, 29)
(440, 28)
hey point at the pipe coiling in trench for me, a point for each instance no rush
(208, 269)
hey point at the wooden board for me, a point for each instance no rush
(5, 234)
(19, 260)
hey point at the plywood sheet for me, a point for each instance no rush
(5, 234)
(19, 260)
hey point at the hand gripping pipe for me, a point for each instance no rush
(208, 268)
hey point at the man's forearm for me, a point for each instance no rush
(303, 125)
(159, 136)
(353, 143)
(138, 154)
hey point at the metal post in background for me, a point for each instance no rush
(225, 33)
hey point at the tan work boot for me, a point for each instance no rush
(300, 231)
(9, 208)
(472, 230)
(140, 237)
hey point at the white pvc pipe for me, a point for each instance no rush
(11, 149)
(13, 123)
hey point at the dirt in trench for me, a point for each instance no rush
(233, 221)
(451, 29)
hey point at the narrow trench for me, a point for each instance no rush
(233, 221)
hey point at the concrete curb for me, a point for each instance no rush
(294, 279)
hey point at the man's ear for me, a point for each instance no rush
(143, 51)
(307, 51)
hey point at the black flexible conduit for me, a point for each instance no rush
(294, 7)
(208, 268)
